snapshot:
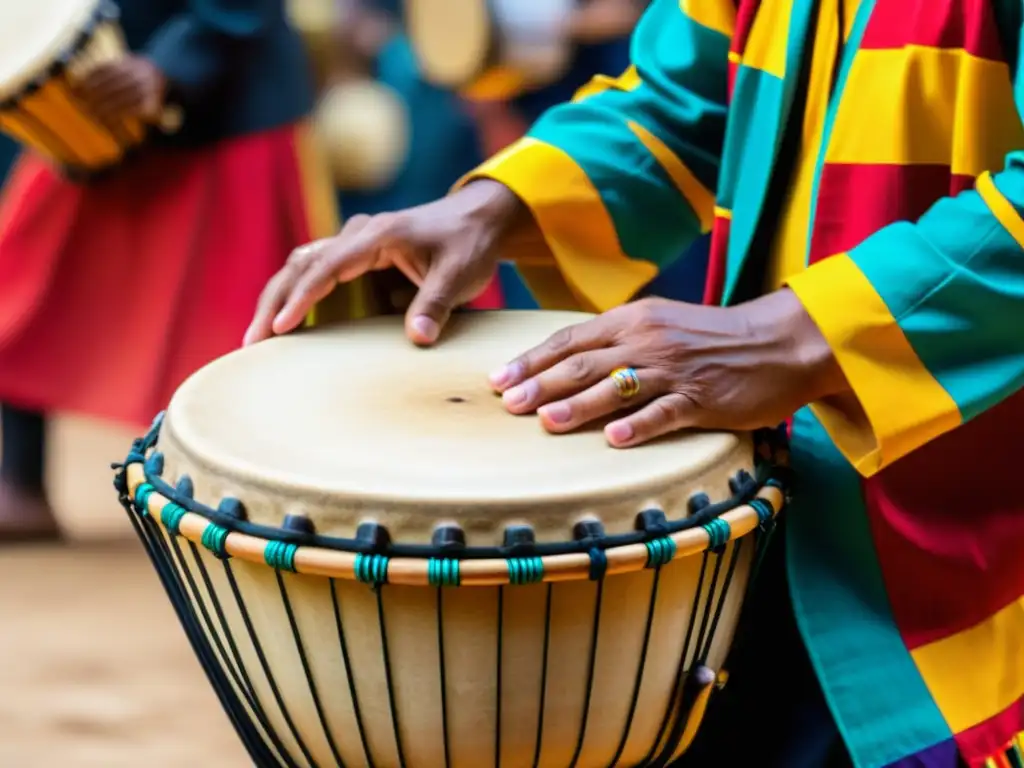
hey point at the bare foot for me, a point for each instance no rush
(25, 516)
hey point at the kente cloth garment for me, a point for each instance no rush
(906, 532)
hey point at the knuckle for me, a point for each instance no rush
(667, 410)
(578, 368)
(562, 339)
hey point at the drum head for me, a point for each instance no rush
(35, 33)
(353, 422)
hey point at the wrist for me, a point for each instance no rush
(780, 323)
(493, 204)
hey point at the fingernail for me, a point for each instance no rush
(517, 395)
(427, 328)
(556, 413)
(619, 432)
(506, 375)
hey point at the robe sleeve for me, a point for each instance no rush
(925, 320)
(194, 48)
(620, 179)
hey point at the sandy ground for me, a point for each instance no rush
(94, 669)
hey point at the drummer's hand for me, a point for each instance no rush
(736, 368)
(131, 86)
(448, 248)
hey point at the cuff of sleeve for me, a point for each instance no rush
(896, 404)
(576, 226)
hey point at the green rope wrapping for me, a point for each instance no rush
(764, 510)
(443, 572)
(660, 551)
(214, 539)
(142, 494)
(171, 517)
(372, 569)
(718, 532)
(280, 555)
(525, 570)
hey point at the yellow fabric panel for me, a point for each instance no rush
(719, 15)
(936, 106)
(576, 226)
(790, 247)
(766, 47)
(700, 198)
(1001, 208)
(991, 651)
(899, 404)
(629, 80)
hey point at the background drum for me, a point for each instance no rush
(490, 49)
(48, 46)
(379, 566)
(364, 128)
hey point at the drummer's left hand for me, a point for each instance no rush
(737, 368)
(131, 86)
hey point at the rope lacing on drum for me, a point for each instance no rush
(443, 572)
(525, 570)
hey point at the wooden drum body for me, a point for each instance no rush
(490, 49)
(378, 566)
(50, 46)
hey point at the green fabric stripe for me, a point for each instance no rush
(876, 693)
(682, 102)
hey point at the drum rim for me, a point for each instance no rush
(373, 558)
(39, 70)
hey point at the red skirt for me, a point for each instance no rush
(112, 294)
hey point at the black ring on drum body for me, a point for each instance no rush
(743, 486)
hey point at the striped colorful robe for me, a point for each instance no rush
(906, 536)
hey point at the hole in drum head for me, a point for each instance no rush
(455, 399)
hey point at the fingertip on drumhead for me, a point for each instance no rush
(422, 330)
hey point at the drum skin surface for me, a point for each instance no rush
(35, 32)
(353, 421)
(379, 566)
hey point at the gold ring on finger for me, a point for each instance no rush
(626, 382)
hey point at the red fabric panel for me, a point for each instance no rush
(112, 294)
(992, 737)
(967, 24)
(948, 520)
(714, 283)
(855, 201)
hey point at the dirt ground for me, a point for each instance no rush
(94, 670)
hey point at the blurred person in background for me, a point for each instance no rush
(114, 290)
(443, 142)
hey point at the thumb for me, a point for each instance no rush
(434, 301)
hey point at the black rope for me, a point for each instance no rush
(351, 678)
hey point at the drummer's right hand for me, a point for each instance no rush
(448, 248)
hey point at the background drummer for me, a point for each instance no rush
(112, 292)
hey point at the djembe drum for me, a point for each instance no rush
(378, 566)
(490, 49)
(50, 45)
